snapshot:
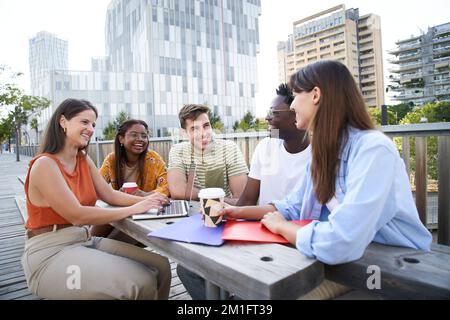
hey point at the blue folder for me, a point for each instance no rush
(191, 230)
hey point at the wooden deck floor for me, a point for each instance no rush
(12, 279)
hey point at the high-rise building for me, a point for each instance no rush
(161, 55)
(195, 51)
(338, 34)
(422, 71)
(47, 52)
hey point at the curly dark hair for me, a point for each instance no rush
(286, 92)
(121, 156)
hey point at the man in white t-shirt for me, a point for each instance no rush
(279, 161)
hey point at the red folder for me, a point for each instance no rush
(254, 231)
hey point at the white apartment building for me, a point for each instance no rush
(421, 71)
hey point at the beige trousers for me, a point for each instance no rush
(70, 264)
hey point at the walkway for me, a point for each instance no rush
(12, 239)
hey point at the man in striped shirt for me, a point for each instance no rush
(216, 163)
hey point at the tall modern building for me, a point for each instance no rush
(195, 52)
(161, 55)
(47, 52)
(338, 34)
(422, 71)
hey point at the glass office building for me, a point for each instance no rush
(194, 51)
(161, 55)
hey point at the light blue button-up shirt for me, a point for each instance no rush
(374, 203)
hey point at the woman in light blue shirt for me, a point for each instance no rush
(356, 187)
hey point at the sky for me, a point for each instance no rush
(82, 23)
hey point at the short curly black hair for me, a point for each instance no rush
(286, 92)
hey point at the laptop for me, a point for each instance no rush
(176, 208)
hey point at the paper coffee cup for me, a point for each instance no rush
(129, 187)
(211, 201)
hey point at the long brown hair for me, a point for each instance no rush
(120, 154)
(54, 136)
(341, 105)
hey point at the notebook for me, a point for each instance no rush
(176, 208)
(191, 230)
(254, 231)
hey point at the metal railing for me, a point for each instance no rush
(247, 142)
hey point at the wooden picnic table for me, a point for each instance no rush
(251, 271)
(274, 271)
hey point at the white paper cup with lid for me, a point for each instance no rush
(211, 201)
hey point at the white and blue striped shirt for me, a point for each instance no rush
(373, 202)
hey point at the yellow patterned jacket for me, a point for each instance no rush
(155, 173)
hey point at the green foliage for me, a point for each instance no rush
(375, 114)
(110, 130)
(412, 117)
(19, 105)
(6, 130)
(261, 125)
(243, 125)
(236, 125)
(216, 121)
(401, 110)
(34, 125)
(432, 112)
(248, 122)
(122, 116)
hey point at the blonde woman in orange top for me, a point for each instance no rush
(61, 260)
(131, 161)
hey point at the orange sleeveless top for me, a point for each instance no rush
(81, 184)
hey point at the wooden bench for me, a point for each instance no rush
(404, 273)
(21, 201)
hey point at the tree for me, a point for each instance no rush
(20, 107)
(216, 121)
(261, 125)
(6, 132)
(110, 131)
(401, 110)
(35, 126)
(375, 114)
(246, 123)
(432, 112)
(236, 125)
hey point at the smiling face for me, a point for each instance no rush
(80, 128)
(199, 132)
(135, 140)
(305, 105)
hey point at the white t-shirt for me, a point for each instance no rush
(278, 170)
